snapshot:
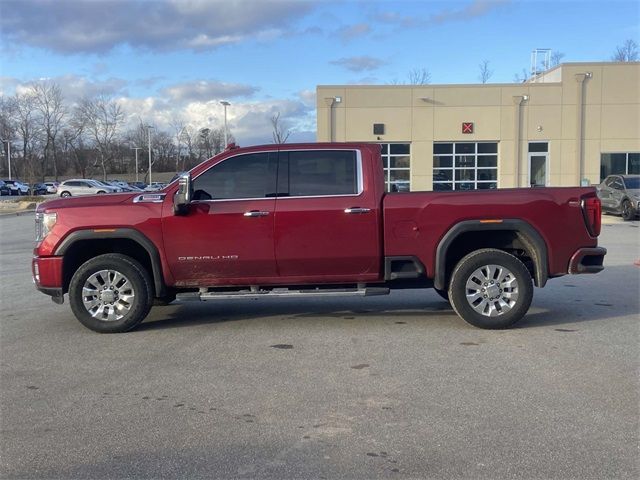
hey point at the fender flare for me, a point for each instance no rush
(128, 233)
(525, 232)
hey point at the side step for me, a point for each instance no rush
(257, 292)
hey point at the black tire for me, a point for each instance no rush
(466, 268)
(443, 293)
(100, 192)
(65, 194)
(140, 282)
(628, 213)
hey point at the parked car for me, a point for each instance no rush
(17, 187)
(107, 185)
(310, 220)
(82, 186)
(155, 186)
(38, 189)
(52, 187)
(4, 188)
(140, 185)
(620, 194)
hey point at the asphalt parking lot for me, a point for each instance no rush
(381, 387)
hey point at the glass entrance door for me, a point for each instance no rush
(538, 169)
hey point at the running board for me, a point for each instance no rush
(256, 292)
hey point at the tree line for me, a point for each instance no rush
(52, 137)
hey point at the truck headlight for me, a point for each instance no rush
(44, 224)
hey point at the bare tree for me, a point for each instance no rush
(485, 72)
(178, 127)
(521, 77)
(627, 52)
(49, 103)
(7, 124)
(74, 144)
(556, 58)
(419, 76)
(27, 130)
(279, 136)
(102, 118)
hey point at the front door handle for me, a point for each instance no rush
(256, 213)
(357, 210)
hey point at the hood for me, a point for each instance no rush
(86, 201)
(634, 192)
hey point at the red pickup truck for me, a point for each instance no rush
(309, 219)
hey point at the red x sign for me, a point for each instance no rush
(467, 127)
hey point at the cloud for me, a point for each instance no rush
(308, 98)
(359, 64)
(476, 8)
(72, 26)
(8, 85)
(206, 90)
(74, 87)
(249, 121)
(350, 32)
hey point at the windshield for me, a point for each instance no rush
(632, 183)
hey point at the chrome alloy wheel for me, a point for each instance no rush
(108, 295)
(492, 290)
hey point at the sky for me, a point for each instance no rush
(175, 60)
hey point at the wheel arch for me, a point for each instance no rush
(81, 245)
(507, 234)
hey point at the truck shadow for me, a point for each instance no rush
(567, 300)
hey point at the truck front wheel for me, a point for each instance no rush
(491, 289)
(111, 293)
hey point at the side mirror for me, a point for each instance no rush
(182, 198)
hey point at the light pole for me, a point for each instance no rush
(136, 149)
(149, 127)
(8, 142)
(225, 104)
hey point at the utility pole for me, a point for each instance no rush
(8, 142)
(225, 104)
(149, 127)
(136, 149)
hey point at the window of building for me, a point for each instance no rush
(322, 172)
(396, 160)
(619, 164)
(465, 165)
(242, 176)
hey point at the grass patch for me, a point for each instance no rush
(27, 198)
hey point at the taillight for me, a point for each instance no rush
(592, 211)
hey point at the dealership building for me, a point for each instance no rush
(571, 125)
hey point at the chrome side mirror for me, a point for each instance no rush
(182, 198)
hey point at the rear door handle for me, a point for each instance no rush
(256, 213)
(357, 210)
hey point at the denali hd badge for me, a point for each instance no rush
(199, 258)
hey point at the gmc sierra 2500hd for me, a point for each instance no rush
(309, 219)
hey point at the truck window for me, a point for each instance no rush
(243, 176)
(322, 172)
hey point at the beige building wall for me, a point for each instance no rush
(581, 109)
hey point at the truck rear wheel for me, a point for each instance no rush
(491, 289)
(111, 293)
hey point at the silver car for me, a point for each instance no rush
(82, 186)
(620, 194)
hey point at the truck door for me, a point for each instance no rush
(228, 230)
(327, 222)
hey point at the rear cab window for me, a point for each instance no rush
(315, 173)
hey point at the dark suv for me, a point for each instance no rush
(4, 188)
(620, 194)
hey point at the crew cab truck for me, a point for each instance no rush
(309, 219)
